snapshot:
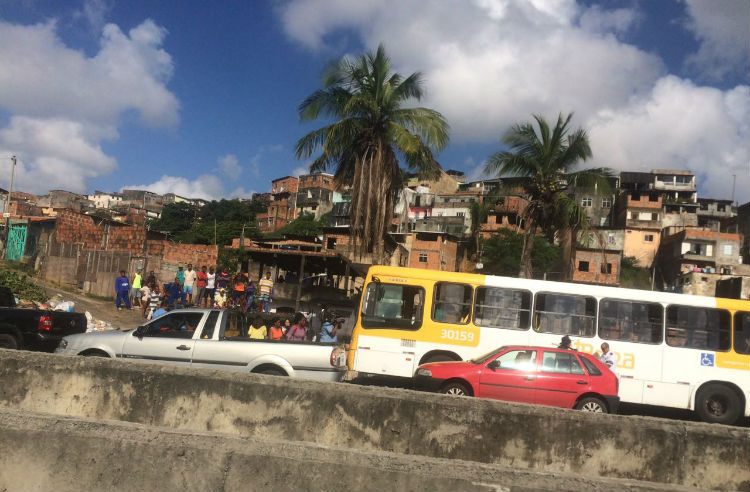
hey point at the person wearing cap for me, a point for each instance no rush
(220, 298)
(135, 291)
(565, 343)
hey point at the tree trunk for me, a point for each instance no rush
(528, 245)
(568, 252)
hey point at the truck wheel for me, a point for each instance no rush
(717, 404)
(8, 342)
(272, 372)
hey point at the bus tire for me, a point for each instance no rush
(718, 404)
(455, 388)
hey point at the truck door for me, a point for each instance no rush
(167, 339)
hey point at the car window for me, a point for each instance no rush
(232, 326)
(591, 367)
(517, 360)
(561, 362)
(175, 324)
(210, 325)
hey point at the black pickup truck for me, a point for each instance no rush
(34, 329)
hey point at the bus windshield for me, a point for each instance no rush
(392, 306)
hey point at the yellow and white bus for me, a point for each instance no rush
(672, 350)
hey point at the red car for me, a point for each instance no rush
(545, 376)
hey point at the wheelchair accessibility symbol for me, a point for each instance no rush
(707, 359)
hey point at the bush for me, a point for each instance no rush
(22, 286)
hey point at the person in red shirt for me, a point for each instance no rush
(200, 286)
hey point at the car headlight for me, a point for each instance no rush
(424, 372)
(63, 344)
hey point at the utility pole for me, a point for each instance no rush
(734, 182)
(214, 231)
(242, 238)
(10, 190)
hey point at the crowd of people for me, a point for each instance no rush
(284, 328)
(204, 288)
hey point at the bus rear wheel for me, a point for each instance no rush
(718, 404)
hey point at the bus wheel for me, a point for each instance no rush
(455, 388)
(717, 404)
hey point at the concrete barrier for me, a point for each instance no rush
(367, 418)
(47, 452)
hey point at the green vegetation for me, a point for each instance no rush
(632, 276)
(501, 254)
(547, 156)
(22, 286)
(220, 220)
(371, 128)
(304, 226)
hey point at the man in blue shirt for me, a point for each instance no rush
(328, 330)
(122, 288)
(161, 311)
(174, 292)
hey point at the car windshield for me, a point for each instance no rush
(488, 355)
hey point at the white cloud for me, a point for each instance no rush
(64, 104)
(680, 126)
(260, 158)
(723, 30)
(229, 166)
(301, 170)
(207, 187)
(489, 64)
(94, 12)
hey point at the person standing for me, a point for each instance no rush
(189, 285)
(122, 288)
(145, 292)
(223, 279)
(154, 300)
(298, 332)
(200, 286)
(328, 330)
(136, 284)
(210, 287)
(181, 275)
(608, 357)
(265, 289)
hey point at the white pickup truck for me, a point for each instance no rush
(214, 339)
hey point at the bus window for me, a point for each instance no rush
(392, 306)
(630, 321)
(565, 314)
(742, 332)
(502, 308)
(699, 328)
(452, 303)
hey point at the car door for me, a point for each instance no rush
(167, 339)
(560, 379)
(510, 376)
(223, 345)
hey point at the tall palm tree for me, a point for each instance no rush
(371, 129)
(546, 156)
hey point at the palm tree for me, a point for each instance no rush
(371, 129)
(546, 156)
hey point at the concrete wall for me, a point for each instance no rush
(381, 419)
(46, 452)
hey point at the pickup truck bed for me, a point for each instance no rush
(208, 338)
(35, 329)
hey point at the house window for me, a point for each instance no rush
(586, 202)
(331, 243)
(459, 214)
(607, 268)
(583, 266)
(727, 249)
(606, 203)
(649, 238)
(423, 257)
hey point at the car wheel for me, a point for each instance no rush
(455, 389)
(717, 404)
(8, 342)
(95, 353)
(592, 404)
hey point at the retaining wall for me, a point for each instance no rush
(380, 419)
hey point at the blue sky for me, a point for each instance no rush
(199, 98)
